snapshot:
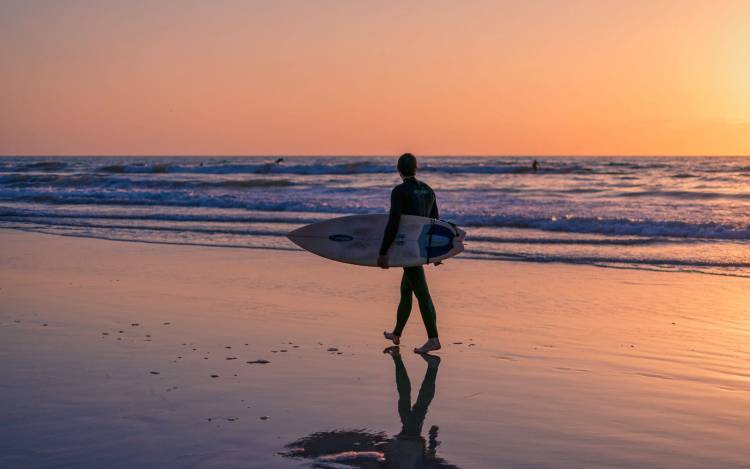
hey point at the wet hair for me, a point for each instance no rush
(407, 164)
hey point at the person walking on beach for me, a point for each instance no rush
(411, 197)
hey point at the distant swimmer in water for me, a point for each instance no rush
(535, 166)
(412, 197)
(267, 167)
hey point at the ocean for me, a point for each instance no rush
(671, 214)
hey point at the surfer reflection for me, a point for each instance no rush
(364, 449)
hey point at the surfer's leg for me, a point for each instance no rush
(404, 306)
(419, 285)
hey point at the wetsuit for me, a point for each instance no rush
(412, 197)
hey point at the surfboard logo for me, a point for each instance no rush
(434, 241)
(341, 238)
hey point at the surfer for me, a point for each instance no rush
(411, 197)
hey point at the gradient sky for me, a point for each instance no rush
(233, 77)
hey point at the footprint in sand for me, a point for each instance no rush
(228, 419)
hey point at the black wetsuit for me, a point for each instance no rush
(412, 197)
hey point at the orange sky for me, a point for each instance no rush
(233, 77)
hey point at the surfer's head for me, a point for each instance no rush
(407, 165)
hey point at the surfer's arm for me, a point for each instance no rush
(391, 229)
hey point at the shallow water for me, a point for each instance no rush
(672, 214)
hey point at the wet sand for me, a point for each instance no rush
(134, 355)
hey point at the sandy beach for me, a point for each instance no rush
(123, 354)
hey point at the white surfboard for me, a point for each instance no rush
(356, 240)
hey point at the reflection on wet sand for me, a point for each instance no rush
(366, 449)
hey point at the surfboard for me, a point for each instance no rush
(356, 240)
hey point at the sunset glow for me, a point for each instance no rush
(360, 233)
(364, 78)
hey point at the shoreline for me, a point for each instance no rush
(460, 257)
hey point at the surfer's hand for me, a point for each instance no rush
(383, 261)
(438, 263)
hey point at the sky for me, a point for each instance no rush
(229, 77)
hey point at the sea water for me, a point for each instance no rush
(671, 214)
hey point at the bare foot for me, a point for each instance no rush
(393, 350)
(429, 346)
(392, 337)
